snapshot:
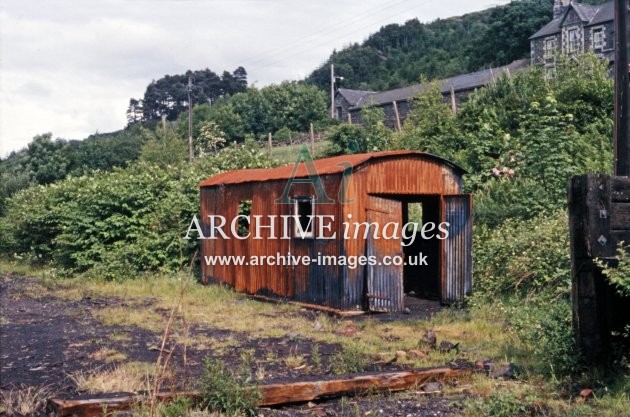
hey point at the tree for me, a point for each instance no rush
(45, 159)
(165, 149)
(169, 94)
(210, 138)
(372, 136)
(290, 105)
(135, 111)
(431, 126)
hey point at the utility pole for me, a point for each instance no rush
(332, 91)
(190, 141)
(333, 80)
(622, 88)
(164, 126)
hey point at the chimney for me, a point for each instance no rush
(559, 7)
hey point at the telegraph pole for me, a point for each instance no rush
(622, 88)
(190, 141)
(332, 91)
(333, 80)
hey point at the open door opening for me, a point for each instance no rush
(422, 270)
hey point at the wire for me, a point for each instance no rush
(300, 41)
(296, 51)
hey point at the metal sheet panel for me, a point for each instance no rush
(457, 248)
(327, 166)
(384, 282)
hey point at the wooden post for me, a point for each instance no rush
(270, 145)
(190, 138)
(599, 218)
(312, 140)
(349, 118)
(622, 87)
(397, 115)
(453, 101)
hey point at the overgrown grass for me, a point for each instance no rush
(25, 400)
(521, 331)
(128, 377)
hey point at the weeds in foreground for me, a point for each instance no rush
(128, 377)
(498, 404)
(25, 400)
(222, 389)
(348, 361)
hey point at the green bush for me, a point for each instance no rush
(522, 257)
(620, 275)
(545, 328)
(224, 390)
(119, 224)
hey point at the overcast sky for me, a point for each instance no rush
(70, 67)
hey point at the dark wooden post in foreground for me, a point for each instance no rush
(599, 219)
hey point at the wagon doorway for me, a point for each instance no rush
(421, 276)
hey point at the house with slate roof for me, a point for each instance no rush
(349, 103)
(575, 28)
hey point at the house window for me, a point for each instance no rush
(598, 39)
(574, 40)
(339, 112)
(304, 217)
(550, 72)
(244, 211)
(549, 48)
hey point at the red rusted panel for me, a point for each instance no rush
(384, 282)
(393, 175)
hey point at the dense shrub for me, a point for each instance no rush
(116, 224)
(544, 326)
(619, 276)
(523, 256)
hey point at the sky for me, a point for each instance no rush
(70, 67)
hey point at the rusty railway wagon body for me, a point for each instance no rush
(382, 188)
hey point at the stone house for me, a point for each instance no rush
(575, 28)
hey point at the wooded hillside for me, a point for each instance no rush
(398, 55)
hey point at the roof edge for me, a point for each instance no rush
(368, 157)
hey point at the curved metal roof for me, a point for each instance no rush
(327, 166)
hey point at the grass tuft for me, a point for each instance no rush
(129, 377)
(25, 400)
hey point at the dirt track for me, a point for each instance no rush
(44, 340)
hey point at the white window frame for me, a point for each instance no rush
(573, 46)
(602, 41)
(549, 47)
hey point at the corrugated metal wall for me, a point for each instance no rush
(457, 253)
(332, 286)
(316, 284)
(384, 282)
